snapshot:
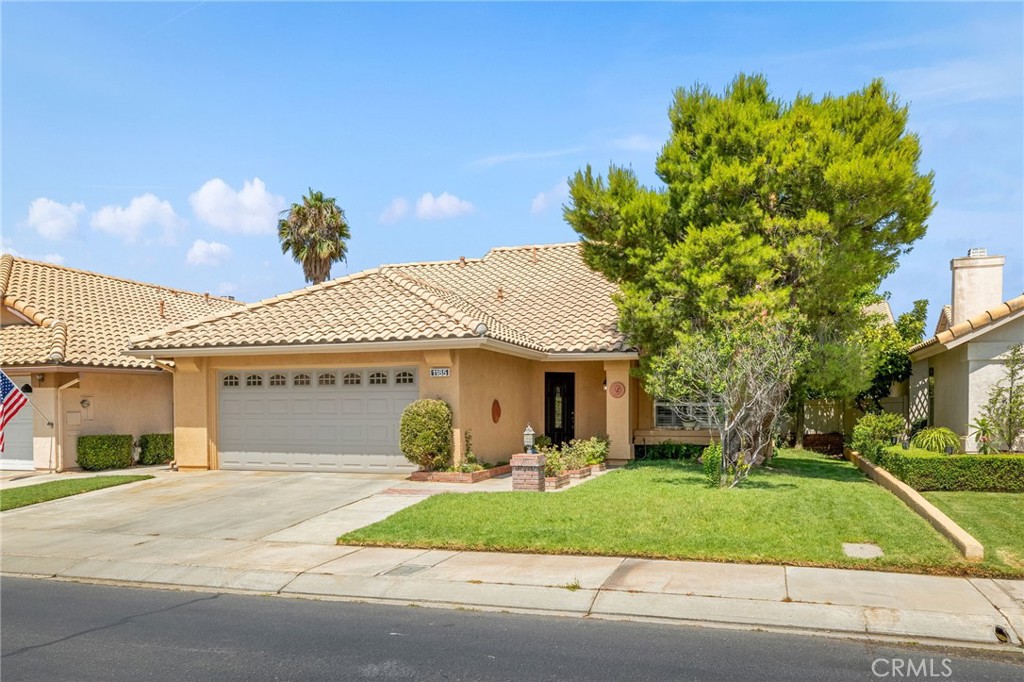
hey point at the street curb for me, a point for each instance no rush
(964, 541)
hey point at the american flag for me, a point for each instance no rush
(11, 400)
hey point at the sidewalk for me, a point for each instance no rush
(873, 605)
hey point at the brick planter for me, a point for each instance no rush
(598, 468)
(555, 482)
(459, 476)
(579, 473)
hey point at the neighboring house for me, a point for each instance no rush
(63, 334)
(316, 379)
(955, 369)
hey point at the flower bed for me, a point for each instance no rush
(579, 473)
(459, 476)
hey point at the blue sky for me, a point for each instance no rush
(156, 141)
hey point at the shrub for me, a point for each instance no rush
(105, 452)
(541, 442)
(156, 448)
(1005, 407)
(594, 450)
(936, 439)
(425, 433)
(712, 462)
(923, 470)
(554, 463)
(875, 431)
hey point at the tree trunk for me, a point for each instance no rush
(799, 428)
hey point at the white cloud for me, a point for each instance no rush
(395, 211)
(55, 258)
(250, 210)
(545, 200)
(429, 207)
(145, 211)
(52, 219)
(957, 82)
(207, 253)
(638, 142)
(497, 159)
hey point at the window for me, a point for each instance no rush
(231, 380)
(253, 380)
(352, 379)
(379, 379)
(404, 378)
(300, 380)
(684, 415)
(278, 380)
(326, 379)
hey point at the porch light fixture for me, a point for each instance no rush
(84, 402)
(604, 384)
(528, 439)
(40, 377)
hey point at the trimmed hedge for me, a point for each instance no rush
(156, 448)
(923, 470)
(425, 434)
(104, 452)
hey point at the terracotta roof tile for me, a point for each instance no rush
(973, 324)
(84, 318)
(539, 297)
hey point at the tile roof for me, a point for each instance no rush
(83, 318)
(542, 298)
(973, 324)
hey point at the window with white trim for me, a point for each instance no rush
(254, 380)
(326, 379)
(278, 380)
(378, 379)
(231, 380)
(300, 380)
(404, 378)
(352, 379)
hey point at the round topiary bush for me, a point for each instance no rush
(426, 433)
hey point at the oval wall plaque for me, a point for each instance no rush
(617, 389)
(495, 411)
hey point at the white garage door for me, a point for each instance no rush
(17, 454)
(327, 419)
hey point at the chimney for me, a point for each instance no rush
(977, 283)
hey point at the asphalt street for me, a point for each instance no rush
(68, 631)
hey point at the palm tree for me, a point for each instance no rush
(315, 233)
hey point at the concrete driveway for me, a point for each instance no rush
(226, 505)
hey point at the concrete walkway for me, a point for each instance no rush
(194, 533)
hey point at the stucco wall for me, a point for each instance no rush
(951, 389)
(986, 359)
(590, 397)
(484, 377)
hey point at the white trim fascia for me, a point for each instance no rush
(936, 348)
(387, 346)
(67, 369)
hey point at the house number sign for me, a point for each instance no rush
(617, 389)
(440, 372)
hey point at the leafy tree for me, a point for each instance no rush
(1004, 411)
(893, 344)
(793, 211)
(315, 232)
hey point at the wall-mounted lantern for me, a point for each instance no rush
(528, 439)
(84, 402)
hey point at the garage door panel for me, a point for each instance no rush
(340, 427)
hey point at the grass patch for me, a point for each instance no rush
(799, 512)
(22, 496)
(995, 519)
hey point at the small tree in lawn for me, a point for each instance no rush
(1004, 411)
(744, 373)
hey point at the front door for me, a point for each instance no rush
(560, 406)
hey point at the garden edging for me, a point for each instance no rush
(964, 541)
(460, 476)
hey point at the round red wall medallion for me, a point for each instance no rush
(495, 411)
(617, 389)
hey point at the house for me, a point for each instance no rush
(317, 379)
(63, 333)
(954, 370)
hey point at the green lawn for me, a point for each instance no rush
(995, 519)
(23, 496)
(799, 511)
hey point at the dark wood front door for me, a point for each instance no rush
(560, 406)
